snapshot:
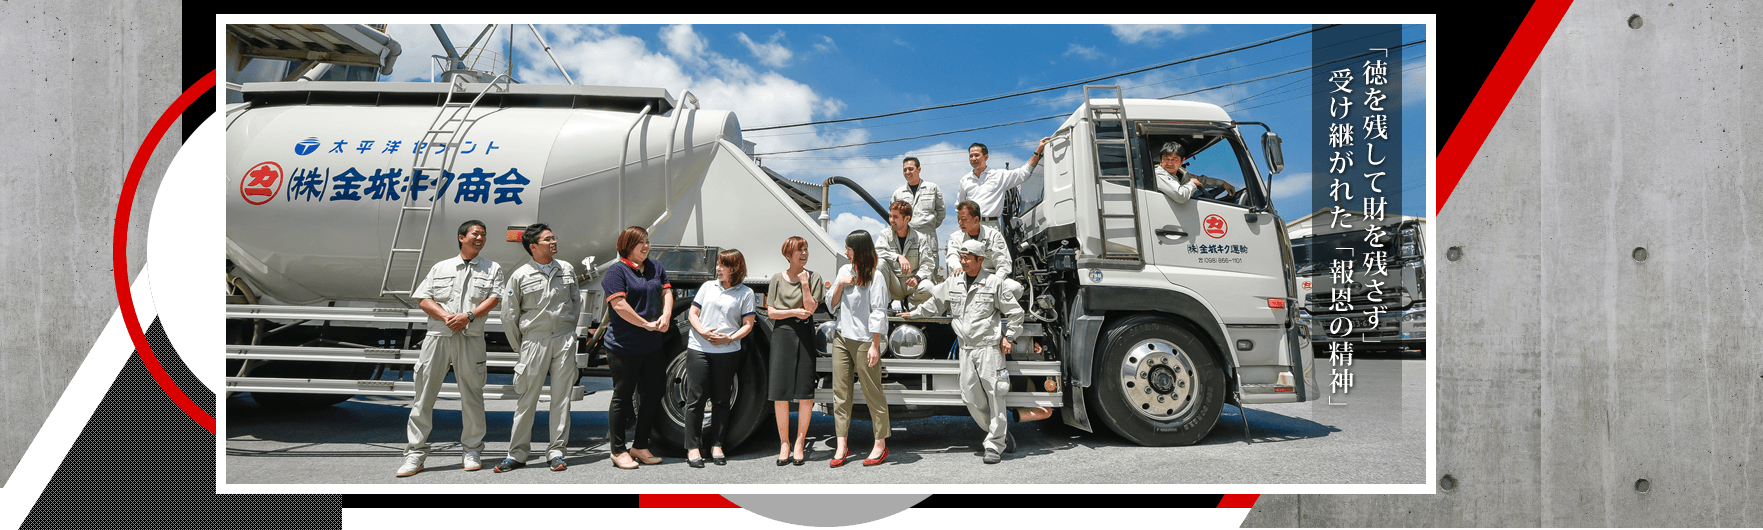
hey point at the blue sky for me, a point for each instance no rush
(783, 74)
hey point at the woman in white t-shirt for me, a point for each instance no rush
(721, 315)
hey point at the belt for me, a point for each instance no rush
(994, 218)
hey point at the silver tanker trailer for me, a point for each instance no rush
(1147, 314)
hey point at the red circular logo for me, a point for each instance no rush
(1215, 226)
(261, 183)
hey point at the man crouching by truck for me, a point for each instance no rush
(539, 320)
(456, 294)
(977, 301)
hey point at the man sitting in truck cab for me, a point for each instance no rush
(1175, 182)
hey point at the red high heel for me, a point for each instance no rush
(840, 461)
(877, 461)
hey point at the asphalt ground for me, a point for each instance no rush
(1376, 437)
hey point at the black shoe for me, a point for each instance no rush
(992, 457)
(785, 462)
(509, 464)
(695, 462)
(1009, 443)
(807, 451)
(721, 460)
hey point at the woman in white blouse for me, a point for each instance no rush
(859, 298)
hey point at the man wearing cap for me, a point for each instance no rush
(539, 320)
(986, 319)
(997, 256)
(457, 294)
(926, 200)
(1175, 182)
(986, 186)
(908, 257)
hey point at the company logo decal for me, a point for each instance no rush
(306, 147)
(1215, 226)
(261, 183)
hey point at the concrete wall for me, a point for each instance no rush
(85, 83)
(1568, 370)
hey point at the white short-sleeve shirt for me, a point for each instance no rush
(721, 311)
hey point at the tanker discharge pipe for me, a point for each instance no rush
(826, 202)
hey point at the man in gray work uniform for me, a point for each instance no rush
(987, 320)
(539, 320)
(456, 294)
(926, 200)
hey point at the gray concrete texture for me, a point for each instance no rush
(88, 81)
(1567, 369)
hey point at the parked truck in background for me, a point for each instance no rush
(1382, 303)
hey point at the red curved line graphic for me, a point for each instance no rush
(120, 261)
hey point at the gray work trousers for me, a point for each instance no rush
(556, 356)
(465, 356)
(984, 381)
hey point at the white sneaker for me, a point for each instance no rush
(472, 461)
(412, 465)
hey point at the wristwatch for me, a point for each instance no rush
(470, 316)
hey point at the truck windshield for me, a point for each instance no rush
(1313, 255)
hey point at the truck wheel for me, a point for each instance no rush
(747, 402)
(307, 370)
(1156, 384)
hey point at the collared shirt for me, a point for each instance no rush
(997, 255)
(721, 311)
(862, 309)
(644, 291)
(920, 251)
(1177, 187)
(459, 288)
(541, 301)
(927, 206)
(981, 311)
(988, 189)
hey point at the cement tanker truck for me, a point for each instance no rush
(1148, 315)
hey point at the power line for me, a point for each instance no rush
(1305, 69)
(1055, 87)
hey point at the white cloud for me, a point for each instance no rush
(826, 45)
(1152, 33)
(769, 53)
(683, 43)
(1087, 52)
(843, 224)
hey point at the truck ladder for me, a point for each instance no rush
(445, 130)
(1117, 223)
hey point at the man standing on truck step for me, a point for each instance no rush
(456, 294)
(908, 257)
(986, 186)
(987, 320)
(926, 200)
(539, 319)
(997, 256)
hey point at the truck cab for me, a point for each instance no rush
(1161, 310)
(1382, 303)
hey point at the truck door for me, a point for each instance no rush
(1210, 245)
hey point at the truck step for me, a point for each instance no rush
(373, 388)
(346, 354)
(945, 397)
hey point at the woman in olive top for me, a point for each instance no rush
(859, 298)
(792, 299)
(639, 293)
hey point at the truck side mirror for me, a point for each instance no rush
(1276, 161)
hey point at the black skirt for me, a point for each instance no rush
(792, 360)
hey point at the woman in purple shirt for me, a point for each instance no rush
(638, 291)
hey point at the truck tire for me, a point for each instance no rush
(307, 370)
(1156, 384)
(747, 409)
